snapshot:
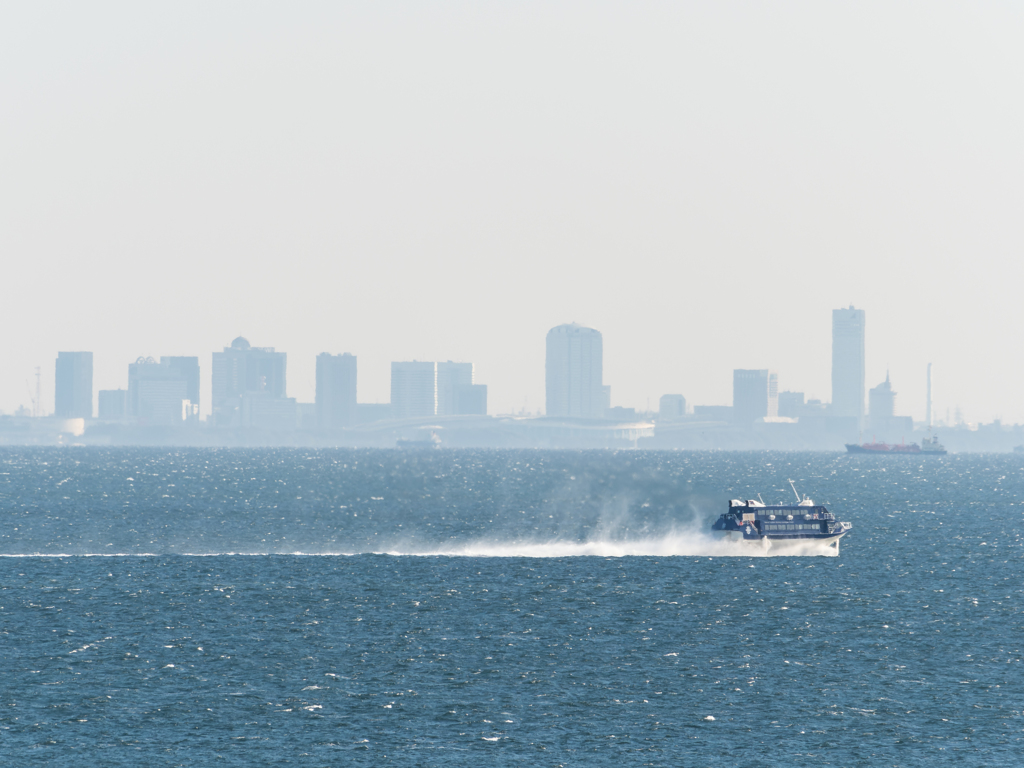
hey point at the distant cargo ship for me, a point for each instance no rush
(929, 445)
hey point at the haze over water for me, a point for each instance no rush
(534, 608)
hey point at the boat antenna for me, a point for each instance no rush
(793, 486)
(759, 497)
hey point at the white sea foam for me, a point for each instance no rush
(676, 543)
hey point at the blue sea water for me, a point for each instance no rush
(336, 607)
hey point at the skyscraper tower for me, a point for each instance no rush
(413, 389)
(848, 363)
(158, 392)
(882, 402)
(73, 386)
(755, 395)
(457, 392)
(574, 372)
(335, 390)
(241, 370)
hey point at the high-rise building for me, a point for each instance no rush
(451, 377)
(413, 390)
(160, 393)
(848, 364)
(186, 368)
(882, 420)
(755, 395)
(671, 408)
(573, 372)
(882, 400)
(457, 394)
(791, 404)
(244, 370)
(73, 386)
(335, 390)
(113, 404)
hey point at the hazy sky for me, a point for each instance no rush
(702, 182)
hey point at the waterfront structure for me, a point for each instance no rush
(848, 365)
(160, 393)
(720, 413)
(791, 404)
(573, 372)
(306, 416)
(335, 390)
(457, 393)
(413, 389)
(262, 410)
(244, 370)
(671, 408)
(113, 404)
(73, 386)
(621, 413)
(755, 395)
(367, 413)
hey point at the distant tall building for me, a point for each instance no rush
(413, 390)
(113, 404)
(755, 395)
(573, 369)
(848, 363)
(457, 394)
(335, 390)
(161, 393)
(882, 420)
(243, 371)
(671, 408)
(791, 404)
(882, 400)
(186, 368)
(73, 386)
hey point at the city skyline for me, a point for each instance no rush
(247, 380)
(675, 176)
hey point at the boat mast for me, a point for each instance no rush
(795, 493)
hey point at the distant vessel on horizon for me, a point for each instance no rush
(423, 443)
(929, 445)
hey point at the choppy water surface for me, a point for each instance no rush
(507, 608)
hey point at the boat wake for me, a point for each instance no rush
(673, 544)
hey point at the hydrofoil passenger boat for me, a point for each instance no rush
(781, 526)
